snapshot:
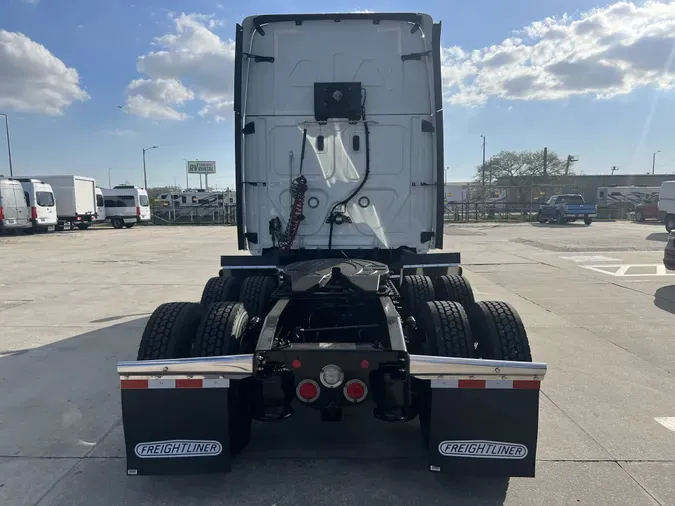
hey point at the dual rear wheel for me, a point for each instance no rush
(216, 326)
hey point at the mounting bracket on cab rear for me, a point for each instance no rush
(337, 100)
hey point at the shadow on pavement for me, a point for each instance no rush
(658, 236)
(664, 298)
(61, 403)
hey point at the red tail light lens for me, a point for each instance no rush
(2, 213)
(308, 390)
(355, 390)
(33, 211)
(138, 211)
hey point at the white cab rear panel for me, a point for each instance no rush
(278, 102)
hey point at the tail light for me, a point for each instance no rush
(355, 390)
(138, 211)
(33, 211)
(2, 213)
(307, 390)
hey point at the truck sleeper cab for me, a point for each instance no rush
(342, 306)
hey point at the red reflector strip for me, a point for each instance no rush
(526, 384)
(189, 383)
(464, 383)
(133, 384)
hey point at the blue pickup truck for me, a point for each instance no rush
(566, 208)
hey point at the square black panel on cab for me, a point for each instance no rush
(337, 100)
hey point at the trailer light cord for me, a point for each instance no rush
(297, 191)
(331, 216)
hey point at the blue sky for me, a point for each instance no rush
(588, 78)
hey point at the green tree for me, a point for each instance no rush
(523, 170)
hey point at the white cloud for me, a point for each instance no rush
(157, 98)
(33, 79)
(606, 52)
(192, 58)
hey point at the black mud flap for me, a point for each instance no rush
(176, 426)
(484, 427)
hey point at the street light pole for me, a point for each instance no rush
(109, 183)
(9, 146)
(187, 174)
(654, 161)
(145, 174)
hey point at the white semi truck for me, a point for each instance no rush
(75, 200)
(344, 302)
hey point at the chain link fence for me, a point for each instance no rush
(194, 215)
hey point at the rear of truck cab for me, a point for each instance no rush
(14, 211)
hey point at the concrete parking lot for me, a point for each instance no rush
(598, 306)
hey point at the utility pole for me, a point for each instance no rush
(654, 161)
(614, 168)
(187, 174)
(545, 160)
(145, 174)
(483, 169)
(9, 146)
(109, 183)
(570, 159)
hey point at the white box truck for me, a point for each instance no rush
(75, 200)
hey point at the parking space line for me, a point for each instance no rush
(667, 421)
(622, 270)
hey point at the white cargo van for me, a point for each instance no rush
(126, 205)
(13, 206)
(667, 204)
(100, 206)
(75, 200)
(40, 198)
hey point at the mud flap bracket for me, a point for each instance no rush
(176, 426)
(484, 427)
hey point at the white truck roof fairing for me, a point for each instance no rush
(321, 73)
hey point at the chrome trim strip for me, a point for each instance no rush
(396, 338)
(421, 266)
(232, 367)
(427, 367)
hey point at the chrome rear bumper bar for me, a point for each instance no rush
(421, 366)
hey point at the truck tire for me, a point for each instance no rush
(453, 288)
(170, 331)
(447, 330)
(639, 216)
(499, 332)
(416, 291)
(588, 220)
(219, 289)
(560, 218)
(670, 222)
(256, 294)
(117, 223)
(220, 333)
(541, 218)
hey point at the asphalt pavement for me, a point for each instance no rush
(597, 304)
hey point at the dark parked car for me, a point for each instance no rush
(669, 253)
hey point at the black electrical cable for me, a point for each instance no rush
(331, 216)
